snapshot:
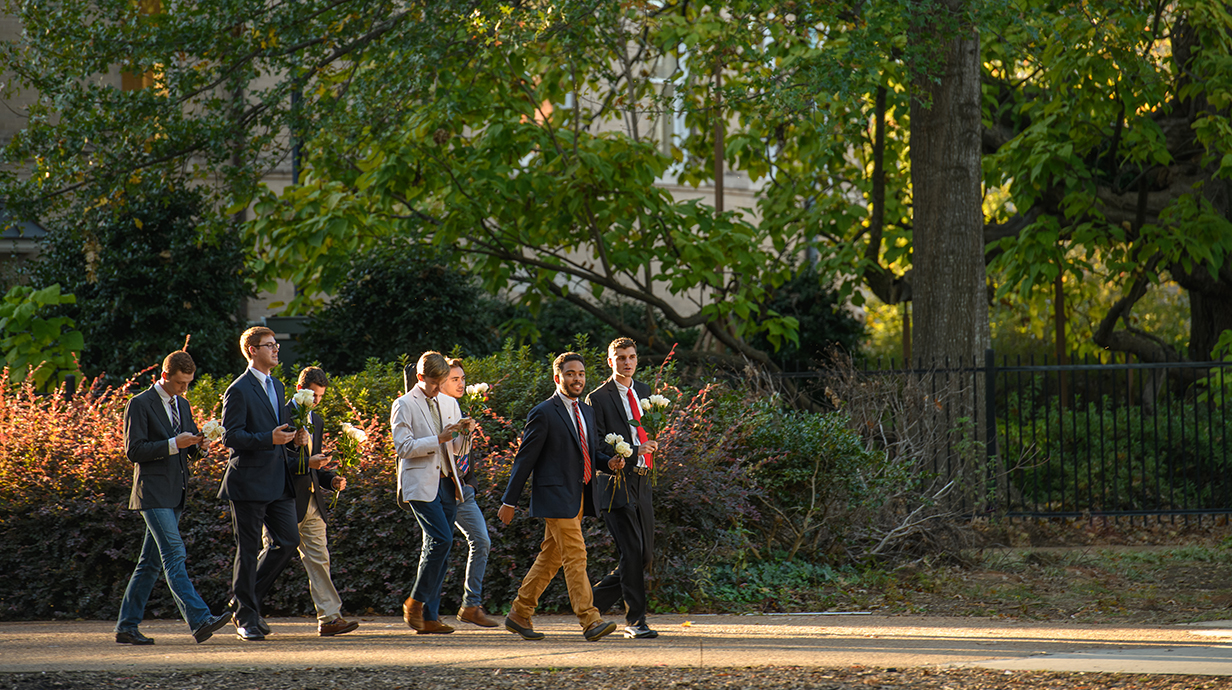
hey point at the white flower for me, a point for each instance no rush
(304, 398)
(659, 401)
(623, 449)
(212, 430)
(645, 403)
(356, 434)
(613, 439)
(477, 389)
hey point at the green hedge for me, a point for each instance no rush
(730, 459)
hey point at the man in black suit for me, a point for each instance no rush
(627, 509)
(310, 490)
(257, 481)
(160, 438)
(559, 452)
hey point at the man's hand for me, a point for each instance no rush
(470, 425)
(301, 436)
(186, 439)
(505, 513)
(446, 434)
(651, 446)
(339, 483)
(316, 462)
(281, 436)
(617, 463)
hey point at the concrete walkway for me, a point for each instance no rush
(685, 641)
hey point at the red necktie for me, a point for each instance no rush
(586, 470)
(637, 417)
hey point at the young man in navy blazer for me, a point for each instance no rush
(559, 453)
(160, 438)
(257, 481)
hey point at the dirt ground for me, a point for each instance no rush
(851, 678)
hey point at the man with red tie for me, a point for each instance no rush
(626, 508)
(559, 453)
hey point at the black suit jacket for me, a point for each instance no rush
(308, 485)
(636, 492)
(256, 468)
(550, 455)
(160, 480)
(610, 418)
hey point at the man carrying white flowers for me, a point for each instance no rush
(160, 438)
(624, 499)
(310, 489)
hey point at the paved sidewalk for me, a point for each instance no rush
(685, 641)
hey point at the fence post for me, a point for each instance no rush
(70, 386)
(990, 422)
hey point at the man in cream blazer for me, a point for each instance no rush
(424, 425)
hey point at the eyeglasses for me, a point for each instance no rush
(272, 346)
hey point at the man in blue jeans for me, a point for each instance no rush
(423, 424)
(469, 516)
(160, 438)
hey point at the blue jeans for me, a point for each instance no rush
(435, 518)
(469, 519)
(162, 551)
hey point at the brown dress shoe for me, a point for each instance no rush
(434, 628)
(412, 613)
(337, 626)
(475, 614)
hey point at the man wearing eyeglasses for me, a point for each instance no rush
(257, 481)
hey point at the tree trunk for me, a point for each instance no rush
(949, 279)
(950, 310)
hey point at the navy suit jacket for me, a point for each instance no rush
(308, 486)
(550, 455)
(159, 480)
(256, 468)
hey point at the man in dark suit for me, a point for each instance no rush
(257, 481)
(627, 509)
(160, 438)
(310, 510)
(559, 452)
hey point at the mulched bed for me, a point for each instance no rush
(651, 678)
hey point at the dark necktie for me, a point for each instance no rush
(176, 426)
(636, 409)
(586, 469)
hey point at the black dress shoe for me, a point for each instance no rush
(208, 628)
(249, 634)
(641, 631)
(260, 626)
(132, 637)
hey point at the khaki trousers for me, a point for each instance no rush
(562, 546)
(314, 554)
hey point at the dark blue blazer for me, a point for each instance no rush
(159, 480)
(256, 468)
(551, 457)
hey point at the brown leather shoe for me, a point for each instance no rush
(434, 628)
(337, 626)
(475, 614)
(412, 613)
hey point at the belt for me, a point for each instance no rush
(641, 470)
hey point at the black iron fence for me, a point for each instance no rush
(1106, 436)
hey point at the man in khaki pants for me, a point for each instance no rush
(310, 489)
(560, 451)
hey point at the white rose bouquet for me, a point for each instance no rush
(475, 401)
(213, 430)
(350, 447)
(624, 450)
(304, 400)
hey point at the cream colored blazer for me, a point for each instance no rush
(419, 453)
